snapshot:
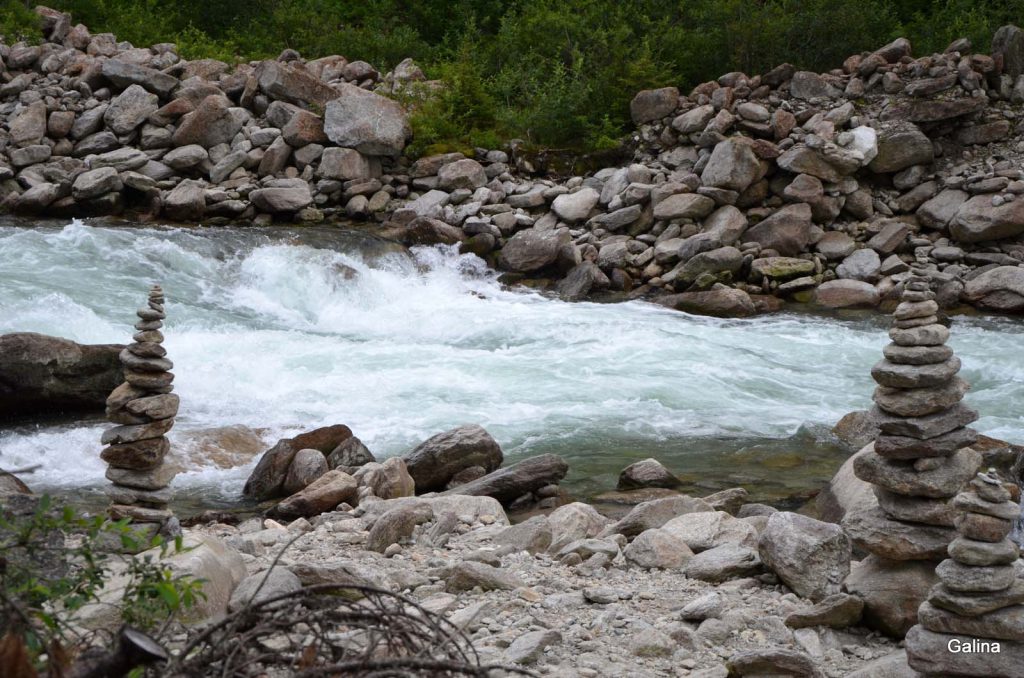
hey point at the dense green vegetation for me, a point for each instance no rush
(557, 73)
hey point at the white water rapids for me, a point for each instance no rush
(282, 337)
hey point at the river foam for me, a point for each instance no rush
(282, 336)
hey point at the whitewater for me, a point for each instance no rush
(285, 330)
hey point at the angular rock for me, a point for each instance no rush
(811, 557)
(368, 122)
(657, 549)
(321, 495)
(434, 462)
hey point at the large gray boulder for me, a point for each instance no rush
(368, 122)
(809, 556)
(282, 199)
(901, 146)
(786, 231)
(130, 109)
(294, 84)
(576, 206)
(510, 483)
(999, 289)
(653, 104)
(533, 249)
(733, 165)
(211, 123)
(267, 480)
(979, 219)
(41, 375)
(125, 74)
(1008, 43)
(434, 462)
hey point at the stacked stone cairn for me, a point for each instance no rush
(979, 600)
(143, 408)
(921, 458)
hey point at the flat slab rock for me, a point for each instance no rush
(901, 478)
(874, 531)
(895, 375)
(944, 445)
(928, 426)
(935, 654)
(1004, 624)
(920, 402)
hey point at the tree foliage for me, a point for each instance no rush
(556, 73)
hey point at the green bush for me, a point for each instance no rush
(551, 72)
(56, 561)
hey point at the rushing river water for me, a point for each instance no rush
(283, 331)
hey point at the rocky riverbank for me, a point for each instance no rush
(750, 189)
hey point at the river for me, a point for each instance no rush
(285, 330)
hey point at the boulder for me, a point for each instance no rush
(389, 480)
(706, 530)
(94, 183)
(978, 220)
(283, 199)
(533, 249)
(863, 265)
(1008, 46)
(124, 74)
(773, 661)
(292, 83)
(465, 173)
(891, 590)
(722, 563)
(653, 104)
(811, 557)
(210, 124)
(434, 462)
(847, 294)
(186, 202)
(999, 289)
(321, 495)
(646, 473)
(655, 513)
(510, 483)
(572, 522)
(838, 611)
(41, 375)
(720, 302)
(28, 127)
(657, 549)
(901, 146)
(576, 206)
(683, 206)
(368, 122)
(787, 231)
(944, 654)
(267, 480)
(733, 166)
(130, 109)
(397, 523)
(307, 466)
(468, 575)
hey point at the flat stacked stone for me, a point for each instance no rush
(922, 458)
(979, 598)
(143, 408)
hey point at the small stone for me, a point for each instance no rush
(969, 501)
(920, 402)
(982, 554)
(905, 447)
(896, 375)
(927, 335)
(976, 604)
(983, 528)
(974, 579)
(837, 611)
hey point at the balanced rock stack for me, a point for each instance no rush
(978, 606)
(144, 409)
(921, 458)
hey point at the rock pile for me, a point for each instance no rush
(979, 603)
(143, 408)
(922, 456)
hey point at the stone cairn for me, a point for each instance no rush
(143, 408)
(978, 600)
(921, 458)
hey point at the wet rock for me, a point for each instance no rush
(434, 462)
(721, 302)
(646, 473)
(532, 250)
(508, 484)
(48, 375)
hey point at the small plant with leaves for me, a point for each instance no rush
(53, 564)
